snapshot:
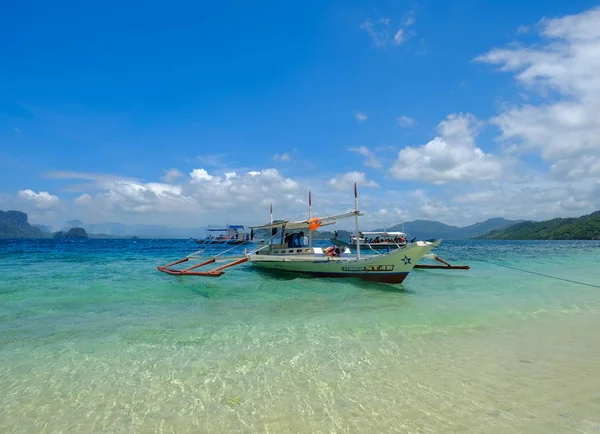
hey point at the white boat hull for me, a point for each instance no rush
(391, 267)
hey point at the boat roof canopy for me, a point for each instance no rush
(225, 229)
(304, 224)
(383, 233)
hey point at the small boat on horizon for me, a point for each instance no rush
(230, 234)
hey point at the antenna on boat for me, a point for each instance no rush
(309, 218)
(271, 213)
(356, 217)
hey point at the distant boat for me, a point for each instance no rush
(380, 240)
(230, 234)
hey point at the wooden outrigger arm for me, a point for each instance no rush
(215, 272)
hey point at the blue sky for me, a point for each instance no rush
(98, 100)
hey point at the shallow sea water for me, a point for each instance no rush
(94, 339)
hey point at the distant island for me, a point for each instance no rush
(586, 227)
(73, 233)
(14, 224)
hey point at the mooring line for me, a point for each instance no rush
(541, 274)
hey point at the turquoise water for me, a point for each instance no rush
(94, 339)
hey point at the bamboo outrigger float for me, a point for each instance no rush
(296, 254)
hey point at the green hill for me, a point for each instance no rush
(586, 227)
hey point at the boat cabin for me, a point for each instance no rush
(295, 238)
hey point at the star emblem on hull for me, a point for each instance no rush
(406, 260)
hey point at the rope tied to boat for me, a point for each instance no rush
(542, 274)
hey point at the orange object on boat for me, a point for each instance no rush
(314, 224)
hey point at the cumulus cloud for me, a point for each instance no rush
(42, 200)
(574, 169)
(347, 180)
(539, 200)
(452, 156)
(361, 117)
(171, 175)
(563, 71)
(84, 199)
(197, 195)
(284, 157)
(371, 159)
(405, 122)
(199, 175)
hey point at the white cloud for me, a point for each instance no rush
(16, 130)
(475, 197)
(215, 160)
(574, 169)
(199, 175)
(378, 31)
(196, 198)
(452, 156)
(405, 122)
(42, 200)
(538, 200)
(361, 117)
(89, 176)
(371, 159)
(285, 157)
(84, 199)
(347, 180)
(171, 175)
(399, 37)
(563, 71)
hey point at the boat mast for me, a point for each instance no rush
(356, 217)
(309, 217)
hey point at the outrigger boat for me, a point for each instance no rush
(379, 240)
(233, 234)
(301, 257)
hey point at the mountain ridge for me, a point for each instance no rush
(427, 229)
(585, 227)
